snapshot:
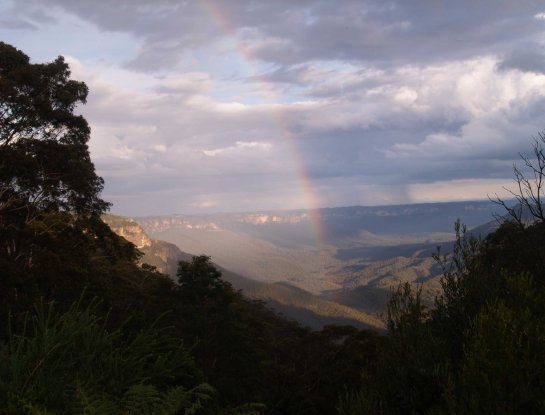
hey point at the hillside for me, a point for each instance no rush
(363, 251)
(292, 302)
(160, 254)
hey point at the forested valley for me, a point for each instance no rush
(86, 329)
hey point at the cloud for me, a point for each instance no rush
(493, 102)
(185, 83)
(287, 33)
(397, 31)
(392, 134)
(525, 59)
(239, 145)
(238, 105)
(203, 205)
(17, 24)
(24, 18)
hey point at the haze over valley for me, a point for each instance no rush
(315, 266)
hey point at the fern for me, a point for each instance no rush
(252, 408)
(174, 399)
(199, 395)
(358, 403)
(83, 400)
(146, 399)
(141, 399)
(71, 363)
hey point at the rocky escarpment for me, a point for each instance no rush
(160, 254)
(157, 224)
(160, 223)
(128, 229)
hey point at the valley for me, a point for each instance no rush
(342, 272)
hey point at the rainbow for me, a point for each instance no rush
(280, 117)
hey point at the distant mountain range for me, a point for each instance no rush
(319, 266)
(292, 302)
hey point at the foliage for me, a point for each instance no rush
(43, 144)
(480, 350)
(71, 363)
(502, 369)
(358, 403)
(200, 281)
(49, 192)
(254, 356)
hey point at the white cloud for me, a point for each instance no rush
(406, 96)
(491, 100)
(159, 148)
(195, 138)
(188, 83)
(239, 145)
(203, 205)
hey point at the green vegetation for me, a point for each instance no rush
(480, 348)
(71, 362)
(85, 329)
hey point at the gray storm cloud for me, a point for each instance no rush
(228, 105)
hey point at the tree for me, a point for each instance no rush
(529, 187)
(210, 308)
(201, 280)
(52, 238)
(528, 214)
(43, 145)
(48, 183)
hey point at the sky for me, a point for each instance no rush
(205, 106)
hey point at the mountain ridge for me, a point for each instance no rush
(292, 302)
(365, 252)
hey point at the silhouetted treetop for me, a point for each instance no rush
(44, 158)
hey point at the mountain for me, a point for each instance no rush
(160, 254)
(351, 256)
(292, 302)
(298, 227)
